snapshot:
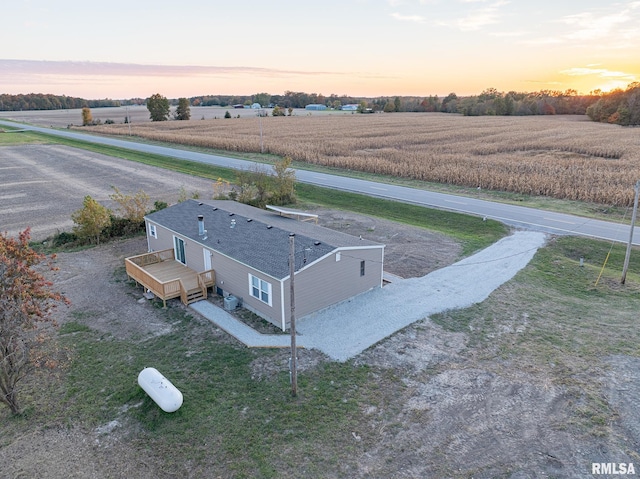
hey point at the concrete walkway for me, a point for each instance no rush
(243, 333)
(346, 329)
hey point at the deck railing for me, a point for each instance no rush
(152, 257)
(164, 290)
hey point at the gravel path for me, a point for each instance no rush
(346, 329)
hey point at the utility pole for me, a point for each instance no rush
(293, 362)
(261, 142)
(633, 223)
(128, 120)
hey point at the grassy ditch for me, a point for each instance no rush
(553, 321)
(12, 136)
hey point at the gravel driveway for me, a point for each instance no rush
(346, 329)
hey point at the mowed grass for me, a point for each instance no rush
(561, 321)
(11, 136)
(230, 422)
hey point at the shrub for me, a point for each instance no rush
(91, 219)
(159, 205)
(64, 238)
(119, 227)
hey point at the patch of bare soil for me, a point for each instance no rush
(410, 252)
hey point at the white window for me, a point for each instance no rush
(260, 289)
(152, 231)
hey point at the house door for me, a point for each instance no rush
(178, 248)
(206, 254)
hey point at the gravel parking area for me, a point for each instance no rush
(345, 330)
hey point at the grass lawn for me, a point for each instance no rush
(11, 137)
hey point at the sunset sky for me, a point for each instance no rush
(124, 49)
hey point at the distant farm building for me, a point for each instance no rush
(315, 107)
(256, 106)
(350, 107)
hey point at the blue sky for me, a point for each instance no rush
(123, 49)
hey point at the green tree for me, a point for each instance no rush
(263, 98)
(91, 219)
(26, 300)
(227, 114)
(87, 118)
(389, 107)
(183, 111)
(397, 103)
(283, 192)
(277, 111)
(158, 107)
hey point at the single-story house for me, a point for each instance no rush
(315, 106)
(244, 251)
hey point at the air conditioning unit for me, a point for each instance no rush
(230, 303)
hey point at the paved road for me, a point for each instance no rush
(523, 217)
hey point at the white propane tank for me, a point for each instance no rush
(160, 389)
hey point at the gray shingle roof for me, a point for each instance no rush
(258, 238)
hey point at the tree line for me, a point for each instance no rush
(43, 101)
(619, 106)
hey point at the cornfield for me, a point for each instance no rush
(567, 157)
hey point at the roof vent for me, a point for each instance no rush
(201, 231)
(231, 214)
(200, 204)
(317, 243)
(215, 208)
(233, 223)
(269, 227)
(249, 220)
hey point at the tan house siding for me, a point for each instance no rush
(328, 281)
(233, 278)
(192, 249)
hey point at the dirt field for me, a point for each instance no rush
(43, 184)
(138, 114)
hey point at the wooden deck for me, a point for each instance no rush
(167, 278)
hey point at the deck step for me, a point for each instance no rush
(195, 295)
